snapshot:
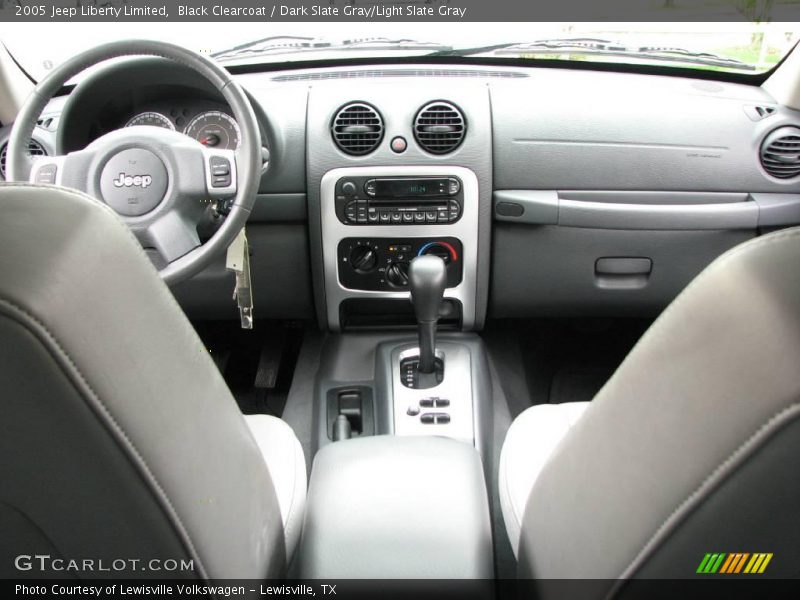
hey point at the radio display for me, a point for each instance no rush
(410, 188)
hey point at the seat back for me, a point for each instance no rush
(692, 446)
(119, 438)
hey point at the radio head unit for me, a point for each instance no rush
(398, 200)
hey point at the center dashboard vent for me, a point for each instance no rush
(439, 127)
(357, 128)
(780, 153)
(34, 149)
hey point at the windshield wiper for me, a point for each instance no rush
(293, 44)
(601, 47)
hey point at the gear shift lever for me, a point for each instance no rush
(427, 276)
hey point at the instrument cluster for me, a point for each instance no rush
(208, 123)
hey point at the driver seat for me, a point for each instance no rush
(119, 438)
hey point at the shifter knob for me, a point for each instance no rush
(427, 277)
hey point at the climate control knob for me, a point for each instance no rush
(397, 274)
(443, 250)
(363, 259)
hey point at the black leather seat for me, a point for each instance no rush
(118, 435)
(691, 447)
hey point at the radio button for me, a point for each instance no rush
(384, 216)
(455, 209)
(453, 186)
(430, 216)
(396, 217)
(369, 187)
(372, 216)
(349, 188)
(408, 217)
(419, 217)
(350, 211)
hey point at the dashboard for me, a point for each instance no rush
(585, 193)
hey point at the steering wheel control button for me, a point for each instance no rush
(47, 173)
(399, 144)
(220, 171)
(134, 182)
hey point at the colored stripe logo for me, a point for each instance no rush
(734, 563)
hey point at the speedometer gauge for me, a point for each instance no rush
(153, 119)
(214, 129)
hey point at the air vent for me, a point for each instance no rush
(439, 127)
(780, 153)
(34, 149)
(357, 128)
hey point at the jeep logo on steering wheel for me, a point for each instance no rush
(132, 180)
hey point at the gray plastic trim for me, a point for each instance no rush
(638, 210)
(600, 215)
(279, 208)
(775, 210)
(652, 197)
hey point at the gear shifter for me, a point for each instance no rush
(427, 277)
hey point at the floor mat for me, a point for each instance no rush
(258, 364)
(559, 360)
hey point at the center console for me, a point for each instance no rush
(375, 220)
(403, 411)
(405, 238)
(387, 507)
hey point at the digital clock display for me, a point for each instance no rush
(410, 188)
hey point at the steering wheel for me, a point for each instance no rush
(158, 181)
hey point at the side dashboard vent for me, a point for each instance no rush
(439, 127)
(34, 149)
(780, 153)
(357, 128)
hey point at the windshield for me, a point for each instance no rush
(746, 48)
